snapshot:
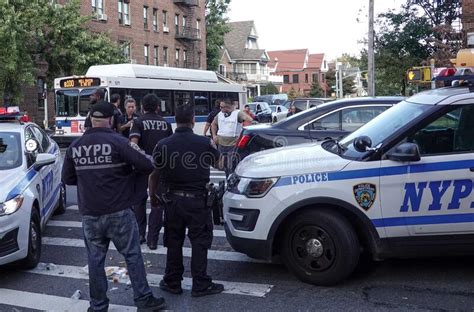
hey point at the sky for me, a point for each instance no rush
(322, 26)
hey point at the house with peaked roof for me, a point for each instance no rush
(299, 69)
(243, 61)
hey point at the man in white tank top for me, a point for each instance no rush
(226, 128)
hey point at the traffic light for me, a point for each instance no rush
(419, 74)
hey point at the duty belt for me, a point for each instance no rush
(188, 195)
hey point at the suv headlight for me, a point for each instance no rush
(11, 206)
(251, 187)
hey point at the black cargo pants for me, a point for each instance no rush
(191, 213)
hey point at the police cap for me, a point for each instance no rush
(102, 110)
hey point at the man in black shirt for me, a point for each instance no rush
(210, 118)
(147, 131)
(126, 120)
(103, 155)
(182, 162)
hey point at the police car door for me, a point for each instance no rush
(433, 195)
(47, 190)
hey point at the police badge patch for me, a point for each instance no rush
(365, 194)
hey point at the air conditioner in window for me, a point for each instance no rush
(166, 29)
(102, 17)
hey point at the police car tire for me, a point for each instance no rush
(340, 245)
(34, 245)
(61, 208)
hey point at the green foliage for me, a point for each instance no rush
(331, 80)
(292, 94)
(419, 31)
(316, 90)
(269, 89)
(33, 33)
(216, 29)
(347, 83)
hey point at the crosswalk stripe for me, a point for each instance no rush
(76, 224)
(234, 288)
(44, 302)
(212, 254)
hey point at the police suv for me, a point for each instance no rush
(399, 186)
(30, 188)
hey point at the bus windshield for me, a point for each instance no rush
(66, 103)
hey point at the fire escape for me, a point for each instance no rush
(188, 34)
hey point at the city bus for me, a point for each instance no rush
(173, 86)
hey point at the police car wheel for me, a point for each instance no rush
(275, 119)
(320, 247)
(34, 242)
(61, 208)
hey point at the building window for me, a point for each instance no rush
(97, 6)
(155, 20)
(198, 28)
(145, 53)
(176, 23)
(296, 78)
(155, 55)
(286, 78)
(315, 77)
(185, 58)
(124, 12)
(222, 69)
(165, 21)
(165, 55)
(145, 17)
(306, 78)
(184, 22)
(125, 45)
(177, 58)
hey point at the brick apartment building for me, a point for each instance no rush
(299, 69)
(155, 32)
(468, 15)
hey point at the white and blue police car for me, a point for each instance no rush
(399, 186)
(30, 189)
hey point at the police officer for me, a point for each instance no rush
(101, 163)
(126, 120)
(146, 131)
(182, 162)
(98, 96)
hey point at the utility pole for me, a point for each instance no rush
(341, 80)
(371, 63)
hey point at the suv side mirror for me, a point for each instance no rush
(362, 143)
(405, 152)
(44, 159)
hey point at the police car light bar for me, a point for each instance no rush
(10, 113)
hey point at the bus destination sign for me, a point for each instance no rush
(79, 82)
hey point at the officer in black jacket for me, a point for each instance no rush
(147, 130)
(101, 164)
(182, 162)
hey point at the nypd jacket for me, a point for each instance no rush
(102, 164)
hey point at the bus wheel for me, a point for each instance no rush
(320, 247)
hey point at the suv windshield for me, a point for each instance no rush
(10, 150)
(381, 127)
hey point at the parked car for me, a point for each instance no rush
(272, 99)
(306, 103)
(262, 111)
(279, 112)
(30, 188)
(331, 120)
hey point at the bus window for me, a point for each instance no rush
(66, 103)
(84, 101)
(138, 95)
(166, 106)
(123, 96)
(182, 98)
(201, 103)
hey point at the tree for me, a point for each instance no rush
(292, 94)
(269, 89)
(348, 84)
(316, 90)
(34, 33)
(421, 30)
(216, 29)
